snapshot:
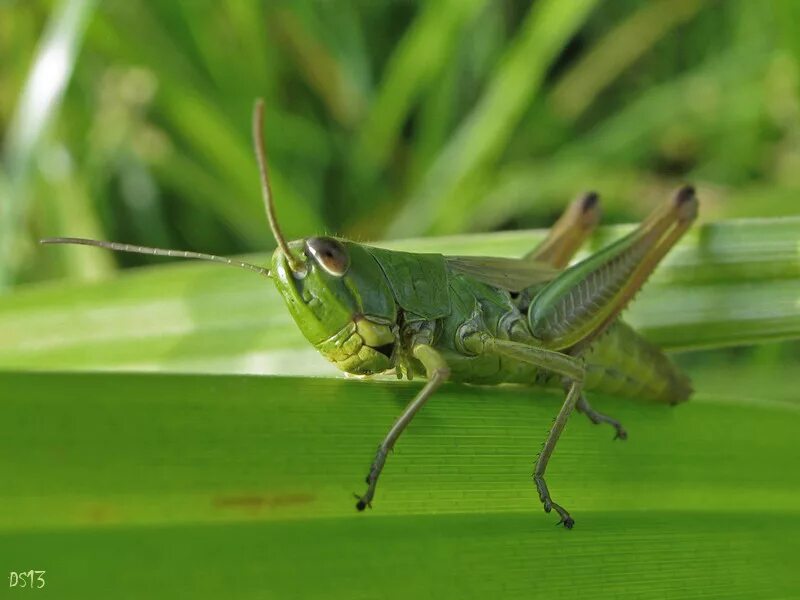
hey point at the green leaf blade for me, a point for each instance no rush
(261, 470)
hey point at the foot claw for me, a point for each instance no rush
(568, 522)
(596, 418)
(362, 504)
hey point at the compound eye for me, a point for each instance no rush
(329, 254)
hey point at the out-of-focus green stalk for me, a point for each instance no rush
(419, 57)
(486, 130)
(616, 51)
(48, 77)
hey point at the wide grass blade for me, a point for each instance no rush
(248, 482)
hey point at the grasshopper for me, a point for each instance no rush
(477, 320)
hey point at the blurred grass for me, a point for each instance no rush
(405, 118)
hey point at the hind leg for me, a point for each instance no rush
(572, 373)
(578, 305)
(569, 232)
(595, 417)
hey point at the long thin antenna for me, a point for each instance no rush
(266, 189)
(157, 252)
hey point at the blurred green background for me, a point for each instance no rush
(130, 120)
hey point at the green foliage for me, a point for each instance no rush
(387, 119)
(248, 480)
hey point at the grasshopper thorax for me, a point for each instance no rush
(340, 299)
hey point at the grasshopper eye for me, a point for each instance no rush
(329, 254)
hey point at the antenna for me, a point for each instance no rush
(157, 252)
(266, 190)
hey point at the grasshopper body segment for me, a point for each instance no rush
(363, 319)
(418, 281)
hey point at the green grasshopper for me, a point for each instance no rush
(477, 320)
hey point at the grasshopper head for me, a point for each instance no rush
(340, 300)
(335, 290)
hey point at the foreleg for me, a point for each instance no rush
(438, 372)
